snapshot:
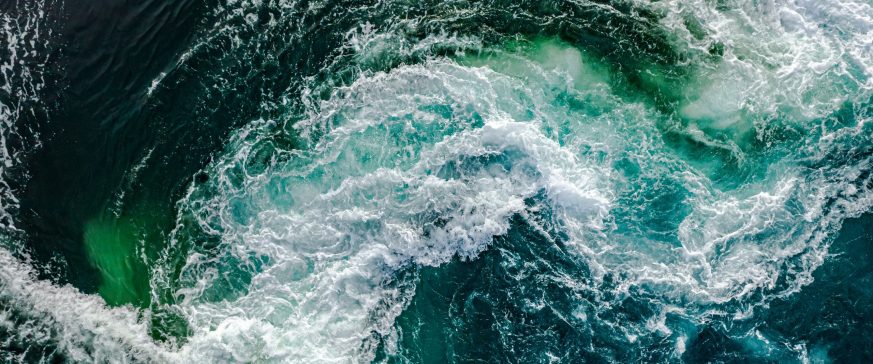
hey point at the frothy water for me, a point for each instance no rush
(705, 189)
(25, 32)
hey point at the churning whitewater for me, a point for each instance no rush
(432, 181)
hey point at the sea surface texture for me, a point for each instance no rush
(436, 181)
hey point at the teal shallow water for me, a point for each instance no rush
(280, 181)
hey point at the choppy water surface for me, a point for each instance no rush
(436, 181)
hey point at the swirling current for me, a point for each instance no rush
(392, 181)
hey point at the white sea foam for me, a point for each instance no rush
(784, 62)
(428, 162)
(794, 61)
(80, 326)
(364, 202)
(382, 168)
(23, 31)
(36, 313)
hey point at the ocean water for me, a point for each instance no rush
(581, 181)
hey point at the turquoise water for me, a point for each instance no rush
(580, 181)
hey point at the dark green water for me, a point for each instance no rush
(430, 181)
